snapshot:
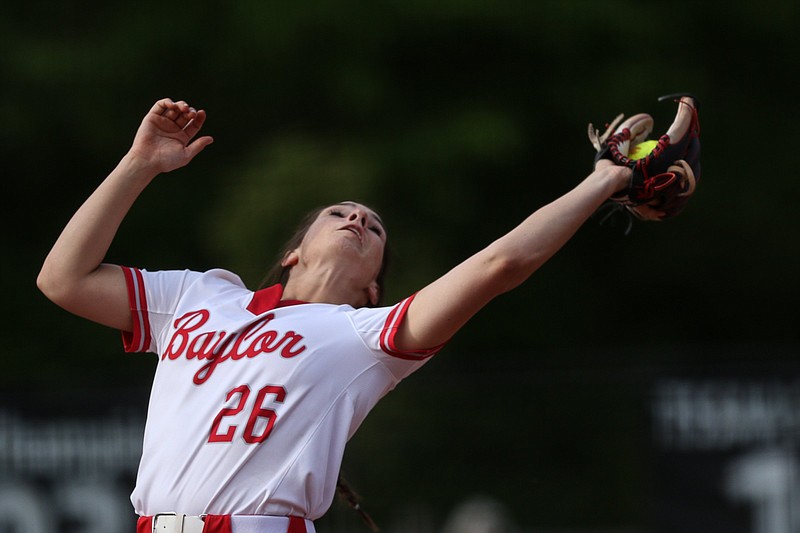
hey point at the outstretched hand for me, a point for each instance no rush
(622, 176)
(166, 140)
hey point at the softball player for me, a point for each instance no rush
(256, 393)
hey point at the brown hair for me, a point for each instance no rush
(279, 274)
(352, 499)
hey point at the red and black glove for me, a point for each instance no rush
(665, 177)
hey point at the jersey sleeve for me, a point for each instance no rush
(378, 329)
(152, 298)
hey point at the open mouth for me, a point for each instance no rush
(355, 232)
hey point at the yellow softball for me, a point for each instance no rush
(642, 149)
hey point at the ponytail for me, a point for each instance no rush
(352, 499)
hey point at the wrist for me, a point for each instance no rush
(618, 178)
(137, 167)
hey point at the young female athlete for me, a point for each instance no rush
(256, 393)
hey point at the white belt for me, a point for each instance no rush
(179, 523)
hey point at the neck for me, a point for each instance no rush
(327, 287)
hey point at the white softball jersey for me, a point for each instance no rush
(253, 398)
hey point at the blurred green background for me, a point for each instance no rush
(454, 120)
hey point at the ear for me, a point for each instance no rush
(374, 293)
(290, 259)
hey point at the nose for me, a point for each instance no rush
(359, 216)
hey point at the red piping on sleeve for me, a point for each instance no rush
(139, 339)
(387, 338)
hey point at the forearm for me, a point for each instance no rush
(443, 307)
(84, 242)
(524, 249)
(73, 275)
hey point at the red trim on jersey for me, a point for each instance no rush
(265, 300)
(140, 338)
(387, 339)
(289, 303)
(268, 299)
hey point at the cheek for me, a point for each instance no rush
(313, 229)
(377, 257)
(311, 236)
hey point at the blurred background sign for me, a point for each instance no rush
(727, 452)
(61, 473)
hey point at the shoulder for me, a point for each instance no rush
(222, 277)
(161, 291)
(382, 325)
(185, 278)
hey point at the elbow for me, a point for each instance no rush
(509, 272)
(46, 283)
(52, 285)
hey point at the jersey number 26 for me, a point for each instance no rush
(259, 423)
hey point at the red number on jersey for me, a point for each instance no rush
(259, 411)
(243, 391)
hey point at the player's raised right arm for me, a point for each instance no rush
(73, 274)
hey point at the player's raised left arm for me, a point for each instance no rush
(440, 309)
(73, 274)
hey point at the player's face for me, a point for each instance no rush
(349, 232)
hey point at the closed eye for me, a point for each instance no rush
(375, 228)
